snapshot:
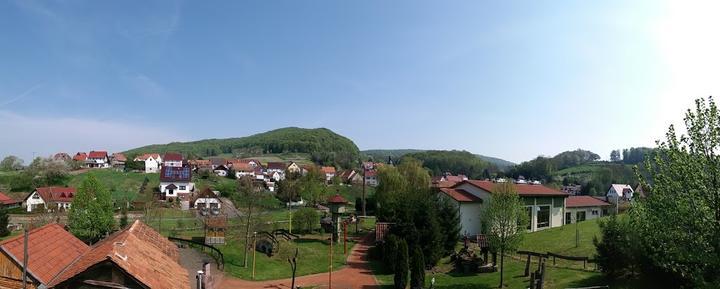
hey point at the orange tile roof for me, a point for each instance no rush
(140, 251)
(461, 195)
(5, 200)
(50, 250)
(327, 170)
(584, 201)
(56, 194)
(97, 155)
(521, 189)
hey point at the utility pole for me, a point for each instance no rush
(331, 260)
(254, 251)
(364, 212)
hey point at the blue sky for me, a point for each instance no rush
(512, 79)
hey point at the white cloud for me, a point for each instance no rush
(24, 136)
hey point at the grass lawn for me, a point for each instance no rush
(313, 257)
(122, 185)
(561, 240)
(514, 269)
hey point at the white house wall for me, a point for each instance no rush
(33, 202)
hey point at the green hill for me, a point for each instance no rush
(323, 146)
(382, 155)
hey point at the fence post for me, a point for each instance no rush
(553, 260)
(527, 266)
(542, 277)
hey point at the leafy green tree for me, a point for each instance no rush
(11, 163)
(91, 212)
(417, 269)
(615, 156)
(312, 186)
(615, 250)
(401, 269)
(390, 249)
(449, 221)
(306, 220)
(678, 225)
(504, 220)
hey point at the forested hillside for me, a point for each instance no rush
(455, 162)
(383, 155)
(323, 145)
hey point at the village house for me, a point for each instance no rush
(619, 192)
(200, 164)
(117, 160)
(218, 162)
(252, 162)
(80, 157)
(545, 206)
(573, 190)
(221, 171)
(176, 181)
(136, 257)
(243, 169)
(49, 198)
(329, 173)
(152, 162)
(350, 177)
(207, 199)
(61, 157)
(276, 167)
(173, 160)
(51, 249)
(448, 177)
(581, 208)
(97, 159)
(273, 176)
(371, 178)
(293, 168)
(8, 202)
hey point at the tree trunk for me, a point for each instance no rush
(247, 235)
(502, 266)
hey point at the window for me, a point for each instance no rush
(182, 188)
(35, 196)
(529, 212)
(595, 212)
(580, 216)
(568, 218)
(543, 217)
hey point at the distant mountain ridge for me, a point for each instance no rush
(323, 145)
(383, 154)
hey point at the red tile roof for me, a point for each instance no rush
(5, 200)
(276, 166)
(50, 250)
(461, 195)
(97, 155)
(240, 166)
(119, 157)
(144, 157)
(444, 184)
(56, 194)
(61, 156)
(172, 157)
(584, 201)
(522, 189)
(327, 170)
(337, 199)
(140, 251)
(370, 173)
(80, 157)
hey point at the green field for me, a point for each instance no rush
(313, 257)
(559, 240)
(122, 185)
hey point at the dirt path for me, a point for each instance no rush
(356, 275)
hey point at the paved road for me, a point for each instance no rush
(356, 275)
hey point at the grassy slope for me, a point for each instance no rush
(561, 240)
(121, 184)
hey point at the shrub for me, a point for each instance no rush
(417, 269)
(305, 220)
(614, 249)
(389, 252)
(401, 269)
